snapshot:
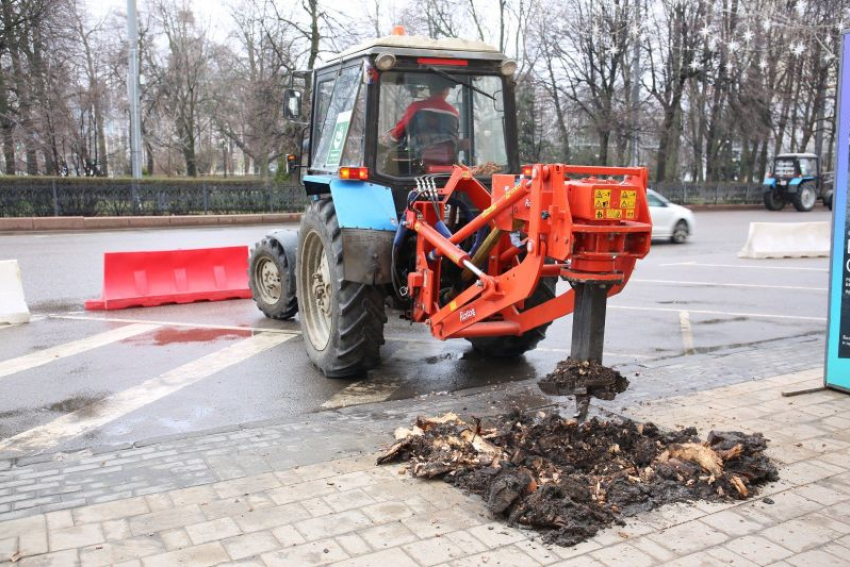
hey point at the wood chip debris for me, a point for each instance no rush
(569, 480)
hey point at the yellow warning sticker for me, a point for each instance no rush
(452, 305)
(614, 214)
(628, 199)
(599, 213)
(630, 214)
(601, 203)
(602, 194)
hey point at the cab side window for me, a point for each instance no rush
(337, 120)
(323, 99)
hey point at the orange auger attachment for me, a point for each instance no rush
(591, 229)
(587, 225)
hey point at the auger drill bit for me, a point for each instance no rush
(587, 339)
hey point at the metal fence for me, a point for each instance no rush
(40, 197)
(711, 193)
(43, 197)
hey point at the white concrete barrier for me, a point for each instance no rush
(787, 240)
(13, 306)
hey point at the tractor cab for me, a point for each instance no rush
(792, 166)
(402, 107)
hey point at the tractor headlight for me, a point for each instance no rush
(385, 61)
(508, 67)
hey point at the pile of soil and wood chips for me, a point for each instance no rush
(569, 479)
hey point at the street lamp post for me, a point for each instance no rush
(133, 93)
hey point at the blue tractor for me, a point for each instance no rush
(418, 199)
(796, 178)
(388, 116)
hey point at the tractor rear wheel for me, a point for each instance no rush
(774, 200)
(509, 346)
(805, 198)
(342, 321)
(272, 280)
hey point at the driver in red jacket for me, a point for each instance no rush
(436, 104)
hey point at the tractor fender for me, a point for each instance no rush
(794, 184)
(769, 185)
(368, 220)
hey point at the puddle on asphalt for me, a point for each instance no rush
(12, 413)
(719, 321)
(176, 335)
(75, 403)
(443, 357)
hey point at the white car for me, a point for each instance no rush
(668, 219)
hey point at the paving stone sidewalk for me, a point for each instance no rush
(350, 512)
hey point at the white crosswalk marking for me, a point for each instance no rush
(722, 313)
(745, 266)
(120, 404)
(741, 285)
(362, 392)
(687, 332)
(41, 357)
(192, 325)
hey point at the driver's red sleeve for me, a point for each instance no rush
(399, 129)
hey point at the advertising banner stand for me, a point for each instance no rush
(837, 365)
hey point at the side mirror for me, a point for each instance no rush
(292, 104)
(498, 101)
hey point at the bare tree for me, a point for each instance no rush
(182, 76)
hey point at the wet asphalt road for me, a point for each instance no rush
(181, 372)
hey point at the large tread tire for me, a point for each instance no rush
(286, 306)
(827, 200)
(774, 200)
(356, 330)
(805, 198)
(511, 346)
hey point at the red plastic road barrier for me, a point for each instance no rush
(145, 279)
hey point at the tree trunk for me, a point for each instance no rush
(7, 128)
(604, 138)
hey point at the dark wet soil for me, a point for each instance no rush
(569, 480)
(571, 378)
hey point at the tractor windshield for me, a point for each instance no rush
(430, 121)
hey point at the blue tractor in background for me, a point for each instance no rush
(796, 178)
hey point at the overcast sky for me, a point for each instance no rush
(215, 14)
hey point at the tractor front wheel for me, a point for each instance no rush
(774, 200)
(510, 346)
(342, 321)
(805, 198)
(271, 279)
